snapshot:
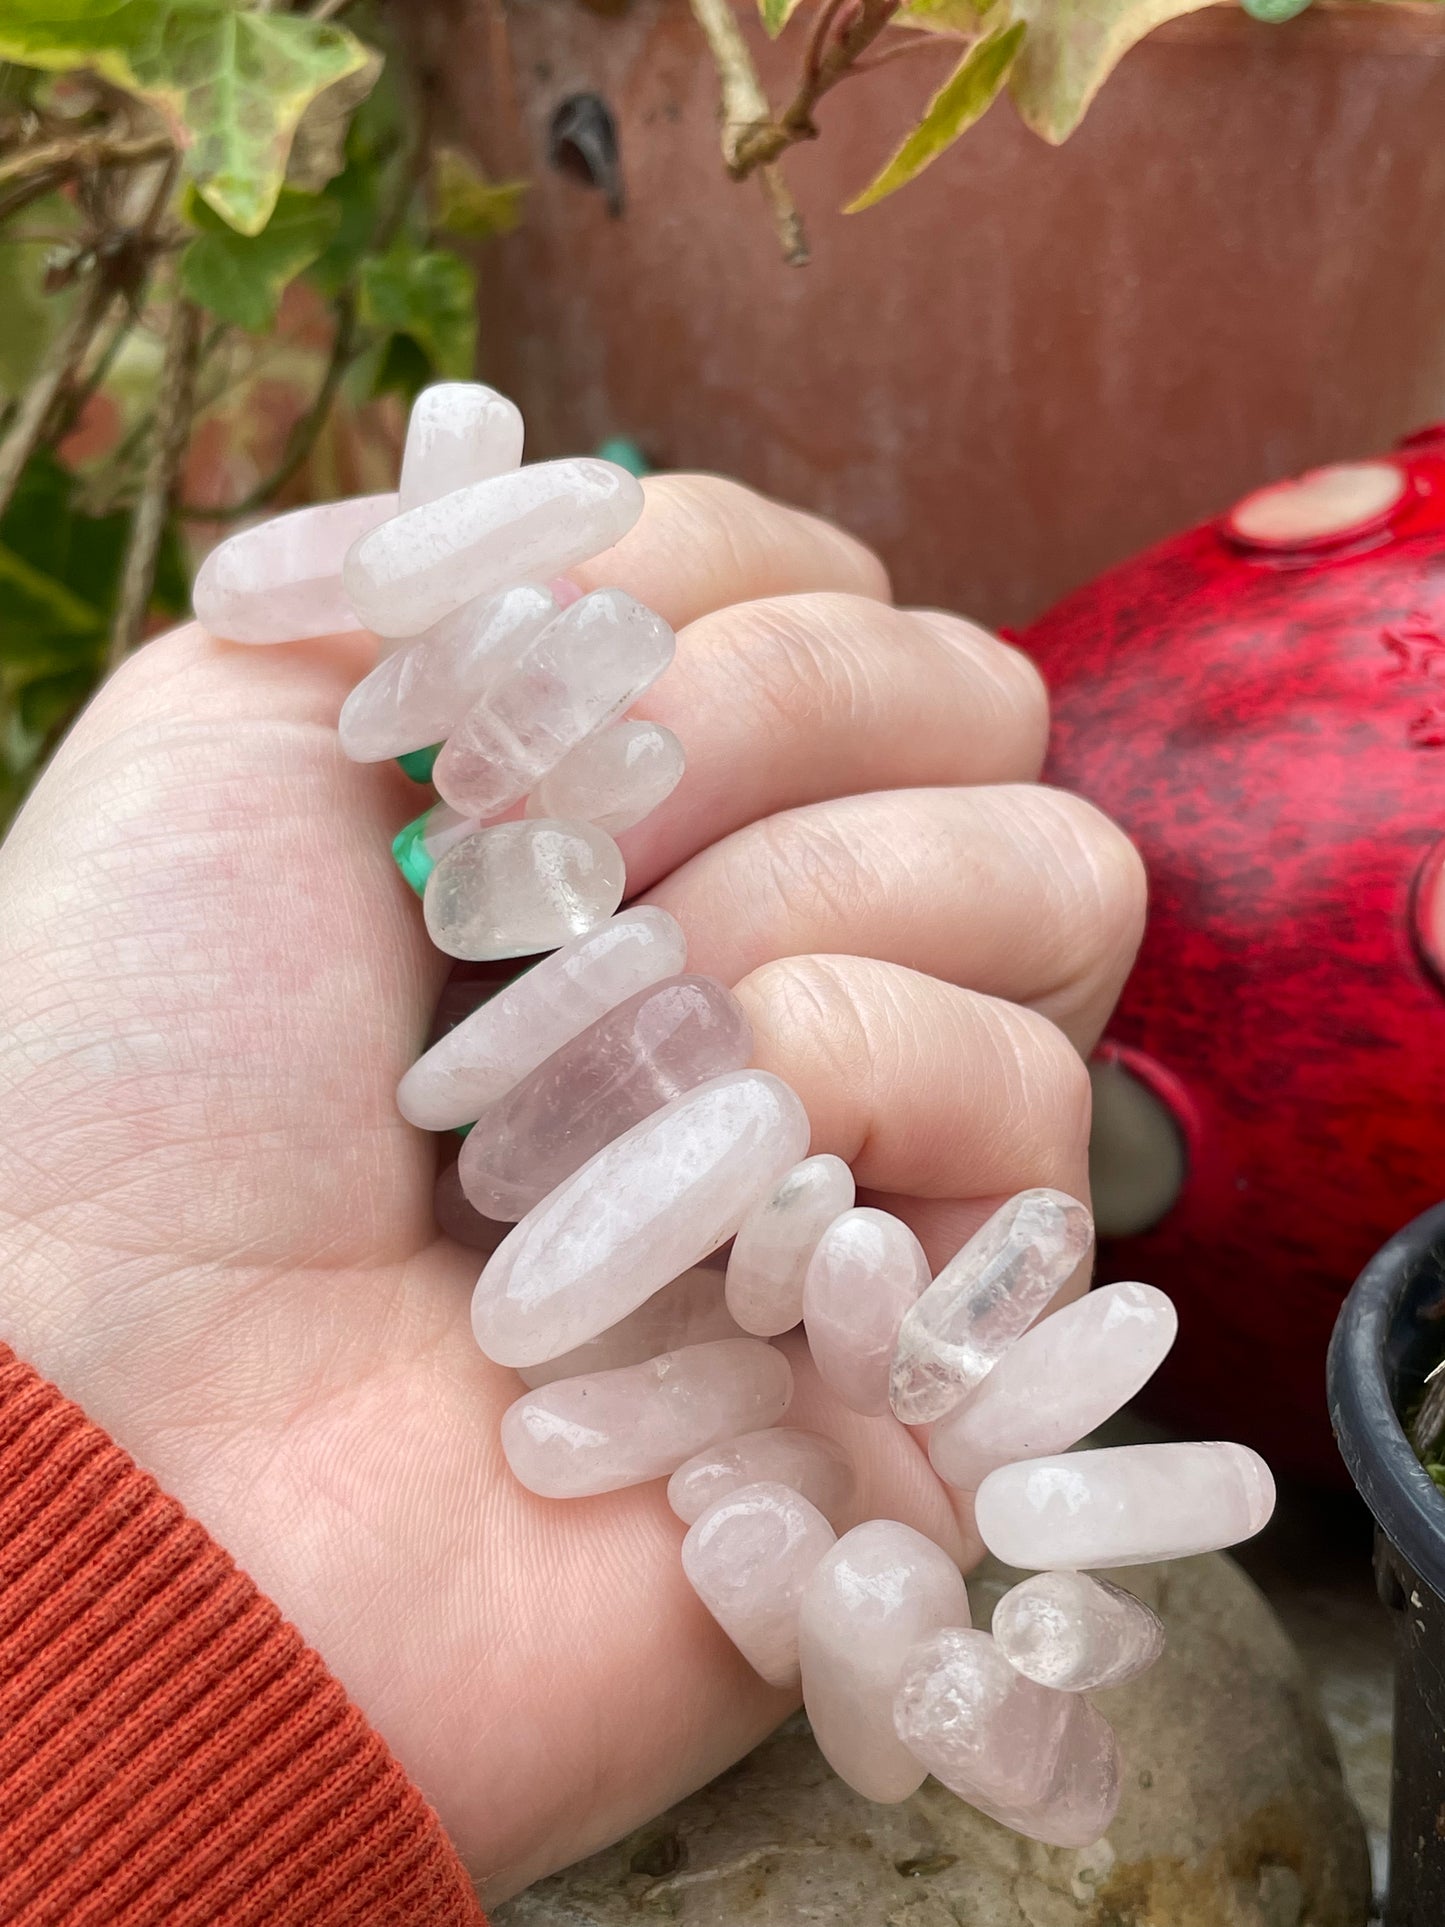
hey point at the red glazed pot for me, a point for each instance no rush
(1267, 720)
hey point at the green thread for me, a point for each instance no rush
(623, 452)
(419, 763)
(1273, 11)
(413, 859)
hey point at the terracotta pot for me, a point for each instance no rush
(1031, 362)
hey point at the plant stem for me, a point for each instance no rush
(747, 114)
(174, 403)
(55, 373)
(831, 57)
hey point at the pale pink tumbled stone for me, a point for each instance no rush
(656, 1201)
(490, 1052)
(866, 1272)
(418, 692)
(281, 581)
(1056, 1383)
(579, 1436)
(660, 1043)
(689, 1311)
(805, 1462)
(524, 527)
(459, 432)
(985, 1297)
(516, 888)
(459, 1219)
(615, 778)
(882, 1589)
(1043, 1762)
(1076, 1633)
(580, 673)
(1126, 1505)
(769, 1259)
(748, 1559)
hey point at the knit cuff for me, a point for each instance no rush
(170, 1749)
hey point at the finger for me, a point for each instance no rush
(704, 542)
(796, 699)
(940, 1095)
(1020, 892)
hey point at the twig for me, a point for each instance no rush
(831, 57)
(172, 431)
(85, 154)
(747, 115)
(54, 375)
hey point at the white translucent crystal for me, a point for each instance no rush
(542, 701)
(867, 1270)
(281, 581)
(656, 1201)
(805, 1462)
(689, 1311)
(459, 433)
(418, 692)
(775, 1241)
(748, 1559)
(556, 1000)
(1077, 1633)
(615, 778)
(528, 526)
(513, 889)
(985, 1297)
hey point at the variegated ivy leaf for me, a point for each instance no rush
(1073, 47)
(777, 13)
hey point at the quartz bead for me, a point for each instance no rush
(806, 1462)
(615, 778)
(1060, 1380)
(985, 1297)
(580, 1436)
(748, 1559)
(459, 433)
(866, 1272)
(572, 679)
(1126, 1505)
(689, 1311)
(281, 580)
(660, 1043)
(769, 1259)
(457, 1218)
(491, 1051)
(513, 889)
(657, 1200)
(524, 527)
(1043, 1762)
(1076, 1633)
(882, 1589)
(415, 694)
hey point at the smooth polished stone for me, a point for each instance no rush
(1035, 1758)
(417, 693)
(524, 527)
(490, 1052)
(748, 1559)
(662, 1042)
(1076, 1633)
(985, 1297)
(460, 432)
(866, 1272)
(458, 1219)
(689, 1311)
(579, 1436)
(769, 1259)
(806, 1462)
(657, 1200)
(281, 581)
(513, 889)
(573, 679)
(881, 1590)
(1063, 1378)
(615, 778)
(1126, 1505)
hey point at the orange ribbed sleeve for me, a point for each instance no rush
(171, 1751)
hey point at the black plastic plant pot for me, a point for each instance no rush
(1390, 1334)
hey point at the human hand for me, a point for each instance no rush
(217, 1232)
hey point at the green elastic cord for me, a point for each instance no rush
(419, 763)
(624, 452)
(1273, 11)
(462, 1129)
(413, 859)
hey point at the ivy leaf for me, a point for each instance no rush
(426, 298)
(318, 148)
(240, 278)
(777, 13)
(467, 204)
(1073, 47)
(231, 83)
(963, 97)
(956, 17)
